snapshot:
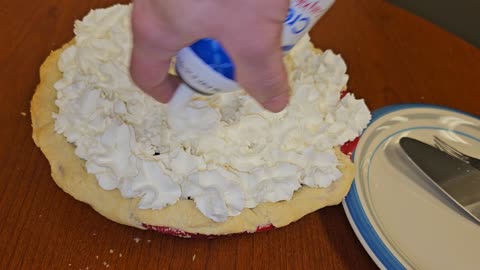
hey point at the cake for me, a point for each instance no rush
(225, 166)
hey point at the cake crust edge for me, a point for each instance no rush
(69, 173)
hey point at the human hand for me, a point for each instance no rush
(249, 30)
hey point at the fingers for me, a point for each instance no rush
(254, 48)
(150, 62)
(259, 68)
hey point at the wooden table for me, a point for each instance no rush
(393, 57)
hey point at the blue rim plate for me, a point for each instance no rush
(401, 221)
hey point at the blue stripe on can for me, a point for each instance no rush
(212, 53)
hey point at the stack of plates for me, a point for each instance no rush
(402, 221)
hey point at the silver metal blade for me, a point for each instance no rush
(456, 178)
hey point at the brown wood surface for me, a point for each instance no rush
(393, 57)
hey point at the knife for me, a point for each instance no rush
(457, 179)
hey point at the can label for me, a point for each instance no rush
(200, 77)
(302, 16)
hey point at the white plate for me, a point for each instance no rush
(401, 220)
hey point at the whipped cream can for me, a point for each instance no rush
(206, 68)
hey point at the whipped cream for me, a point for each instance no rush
(224, 152)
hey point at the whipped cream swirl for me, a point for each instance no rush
(224, 152)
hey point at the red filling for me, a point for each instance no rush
(183, 234)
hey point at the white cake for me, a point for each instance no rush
(223, 152)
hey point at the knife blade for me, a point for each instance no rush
(455, 178)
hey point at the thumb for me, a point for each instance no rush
(259, 68)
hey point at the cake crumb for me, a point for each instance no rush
(120, 255)
(94, 234)
(148, 241)
(111, 251)
(23, 113)
(96, 257)
(69, 264)
(193, 258)
(104, 263)
(136, 239)
(422, 97)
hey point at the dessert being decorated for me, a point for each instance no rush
(221, 165)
